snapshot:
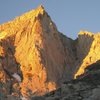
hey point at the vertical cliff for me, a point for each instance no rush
(42, 55)
(88, 47)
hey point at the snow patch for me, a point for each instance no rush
(17, 77)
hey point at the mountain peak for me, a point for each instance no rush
(40, 7)
(24, 20)
(34, 55)
(32, 42)
(85, 33)
(40, 10)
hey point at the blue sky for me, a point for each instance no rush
(70, 16)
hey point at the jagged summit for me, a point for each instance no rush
(35, 50)
(35, 58)
(34, 13)
(85, 33)
(29, 19)
(41, 7)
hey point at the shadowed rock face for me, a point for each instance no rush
(85, 87)
(34, 52)
(88, 50)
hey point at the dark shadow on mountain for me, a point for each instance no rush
(9, 63)
(92, 74)
(93, 67)
(83, 45)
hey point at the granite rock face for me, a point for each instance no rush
(88, 47)
(31, 47)
(35, 58)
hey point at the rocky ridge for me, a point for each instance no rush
(35, 58)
